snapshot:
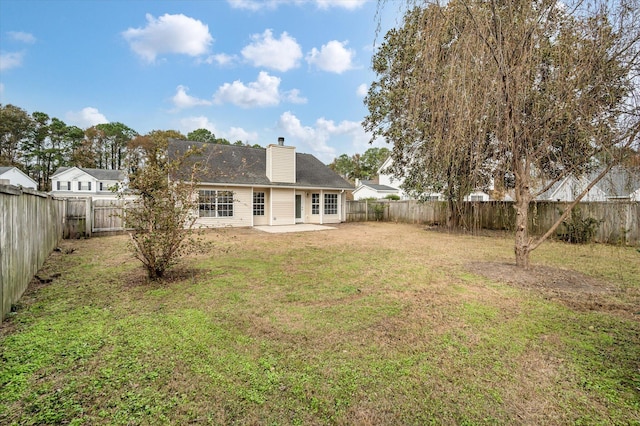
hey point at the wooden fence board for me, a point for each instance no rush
(618, 221)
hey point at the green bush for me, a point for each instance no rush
(578, 230)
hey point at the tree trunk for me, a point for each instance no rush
(522, 246)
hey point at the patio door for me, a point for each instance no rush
(298, 208)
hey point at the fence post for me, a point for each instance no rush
(89, 216)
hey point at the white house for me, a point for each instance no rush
(621, 183)
(15, 176)
(368, 189)
(387, 183)
(83, 182)
(246, 186)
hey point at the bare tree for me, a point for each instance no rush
(161, 218)
(527, 91)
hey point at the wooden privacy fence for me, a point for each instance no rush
(617, 221)
(30, 228)
(85, 216)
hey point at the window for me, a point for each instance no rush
(69, 186)
(79, 186)
(475, 198)
(89, 186)
(315, 203)
(58, 185)
(215, 203)
(258, 203)
(330, 203)
(100, 186)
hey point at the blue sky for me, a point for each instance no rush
(246, 70)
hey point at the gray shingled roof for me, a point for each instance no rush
(377, 187)
(100, 174)
(242, 165)
(4, 169)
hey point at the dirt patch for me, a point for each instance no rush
(574, 289)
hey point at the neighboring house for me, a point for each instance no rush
(83, 182)
(386, 179)
(619, 184)
(369, 189)
(246, 186)
(15, 176)
(388, 182)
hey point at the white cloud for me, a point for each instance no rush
(361, 91)
(221, 59)
(345, 4)
(350, 135)
(87, 117)
(239, 134)
(182, 100)
(280, 54)
(255, 5)
(169, 34)
(294, 97)
(189, 124)
(332, 57)
(263, 92)
(22, 37)
(11, 60)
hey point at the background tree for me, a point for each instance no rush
(202, 135)
(359, 166)
(528, 90)
(149, 149)
(15, 128)
(117, 138)
(161, 219)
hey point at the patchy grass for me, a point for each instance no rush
(367, 324)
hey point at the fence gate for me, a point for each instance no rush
(77, 212)
(107, 215)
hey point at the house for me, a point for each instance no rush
(389, 184)
(246, 186)
(387, 179)
(83, 182)
(620, 183)
(15, 176)
(369, 189)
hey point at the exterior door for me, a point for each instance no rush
(298, 208)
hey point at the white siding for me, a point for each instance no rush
(242, 209)
(333, 218)
(283, 206)
(281, 163)
(16, 177)
(262, 220)
(364, 191)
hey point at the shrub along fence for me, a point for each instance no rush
(31, 225)
(616, 222)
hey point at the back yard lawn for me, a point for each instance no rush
(367, 324)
